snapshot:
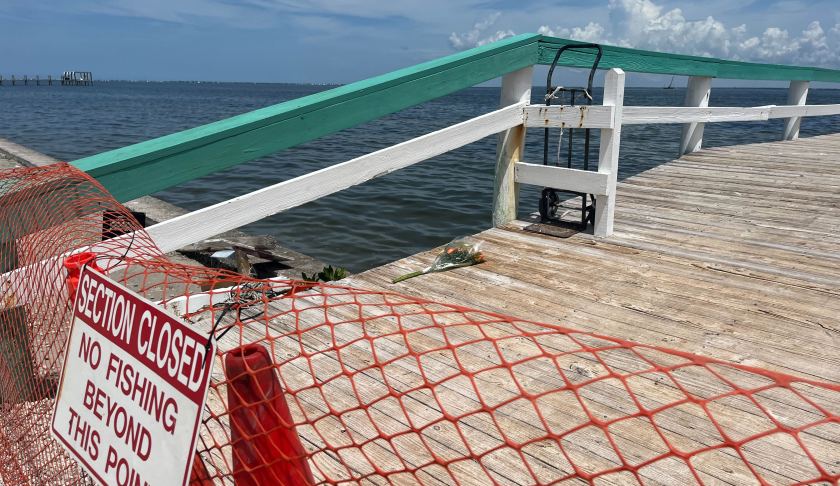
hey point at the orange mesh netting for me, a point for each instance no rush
(330, 384)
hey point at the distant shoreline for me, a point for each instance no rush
(337, 85)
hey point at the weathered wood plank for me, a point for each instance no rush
(730, 251)
(642, 115)
(562, 178)
(582, 116)
(516, 89)
(516, 291)
(685, 425)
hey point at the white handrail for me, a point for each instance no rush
(207, 222)
(787, 111)
(579, 116)
(239, 211)
(597, 116)
(643, 115)
(564, 179)
(204, 223)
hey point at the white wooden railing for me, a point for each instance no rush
(612, 115)
(510, 122)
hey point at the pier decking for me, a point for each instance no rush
(722, 265)
(729, 252)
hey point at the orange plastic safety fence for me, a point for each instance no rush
(321, 384)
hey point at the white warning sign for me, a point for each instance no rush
(132, 389)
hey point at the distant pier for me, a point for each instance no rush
(67, 78)
(76, 78)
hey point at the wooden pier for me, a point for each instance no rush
(76, 78)
(728, 254)
(732, 253)
(67, 78)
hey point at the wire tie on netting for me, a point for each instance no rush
(237, 300)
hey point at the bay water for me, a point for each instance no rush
(383, 220)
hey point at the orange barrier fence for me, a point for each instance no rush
(316, 384)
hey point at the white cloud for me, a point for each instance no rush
(162, 10)
(592, 32)
(478, 36)
(644, 24)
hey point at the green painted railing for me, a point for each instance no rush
(150, 166)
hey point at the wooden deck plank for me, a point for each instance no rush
(342, 416)
(798, 260)
(730, 252)
(576, 307)
(708, 257)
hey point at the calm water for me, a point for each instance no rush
(368, 225)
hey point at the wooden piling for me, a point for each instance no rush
(77, 78)
(516, 88)
(697, 94)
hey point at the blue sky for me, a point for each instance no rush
(322, 41)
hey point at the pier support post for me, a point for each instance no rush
(608, 152)
(516, 88)
(697, 94)
(797, 93)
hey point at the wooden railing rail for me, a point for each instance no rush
(150, 166)
(510, 122)
(600, 116)
(212, 220)
(157, 164)
(602, 184)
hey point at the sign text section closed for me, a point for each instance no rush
(132, 389)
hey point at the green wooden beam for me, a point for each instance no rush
(640, 61)
(150, 166)
(157, 164)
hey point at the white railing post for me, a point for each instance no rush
(516, 88)
(797, 93)
(608, 152)
(697, 94)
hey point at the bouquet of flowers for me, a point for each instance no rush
(458, 253)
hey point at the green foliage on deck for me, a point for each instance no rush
(150, 166)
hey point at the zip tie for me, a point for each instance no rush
(553, 94)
